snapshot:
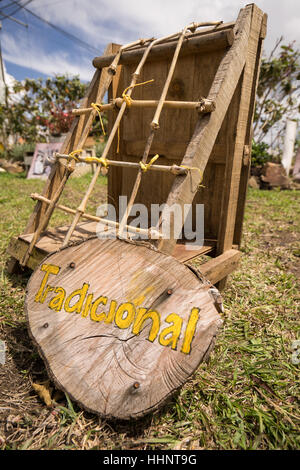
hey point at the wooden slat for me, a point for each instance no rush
(248, 141)
(192, 45)
(183, 253)
(172, 150)
(234, 164)
(52, 239)
(205, 134)
(218, 268)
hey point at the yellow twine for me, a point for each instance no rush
(145, 166)
(72, 155)
(190, 168)
(128, 100)
(97, 107)
(101, 160)
(126, 97)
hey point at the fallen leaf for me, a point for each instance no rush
(44, 392)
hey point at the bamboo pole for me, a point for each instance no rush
(154, 126)
(202, 106)
(211, 41)
(174, 169)
(135, 76)
(47, 215)
(155, 121)
(151, 232)
(70, 167)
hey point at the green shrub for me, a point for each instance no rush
(260, 154)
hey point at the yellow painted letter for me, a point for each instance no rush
(125, 322)
(49, 269)
(87, 306)
(190, 331)
(78, 305)
(98, 316)
(111, 313)
(142, 316)
(170, 335)
(56, 302)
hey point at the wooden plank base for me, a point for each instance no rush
(214, 270)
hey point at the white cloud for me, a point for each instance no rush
(50, 64)
(121, 21)
(102, 21)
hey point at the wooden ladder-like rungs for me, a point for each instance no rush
(151, 233)
(174, 169)
(202, 106)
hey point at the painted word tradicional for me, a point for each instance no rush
(124, 315)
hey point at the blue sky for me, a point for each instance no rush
(40, 51)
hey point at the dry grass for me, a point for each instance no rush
(246, 397)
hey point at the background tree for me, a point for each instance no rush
(37, 108)
(277, 98)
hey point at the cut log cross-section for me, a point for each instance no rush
(121, 337)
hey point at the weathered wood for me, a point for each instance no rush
(151, 233)
(201, 44)
(96, 333)
(234, 164)
(218, 268)
(245, 172)
(52, 239)
(174, 169)
(222, 90)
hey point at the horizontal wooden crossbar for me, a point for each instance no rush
(151, 233)
(219, 267)
(174, 169)
(191, 45)
(202, 106)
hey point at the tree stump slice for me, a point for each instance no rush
(120, 326)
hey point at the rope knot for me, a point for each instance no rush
(190, 168)
(98, 107)
(145, 166)
(73, 155)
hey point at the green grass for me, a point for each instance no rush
(245, 397)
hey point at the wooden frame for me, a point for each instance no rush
(219, 146)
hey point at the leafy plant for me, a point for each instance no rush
(277, 94)
(36, 108)
(260, 154)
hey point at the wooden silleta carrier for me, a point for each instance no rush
(122, 323)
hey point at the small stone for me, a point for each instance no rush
(253, 182)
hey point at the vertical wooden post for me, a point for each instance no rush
(248, 142)
(234, 164)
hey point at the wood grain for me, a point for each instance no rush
(107, 367)
(192, 45)
(202, 142)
